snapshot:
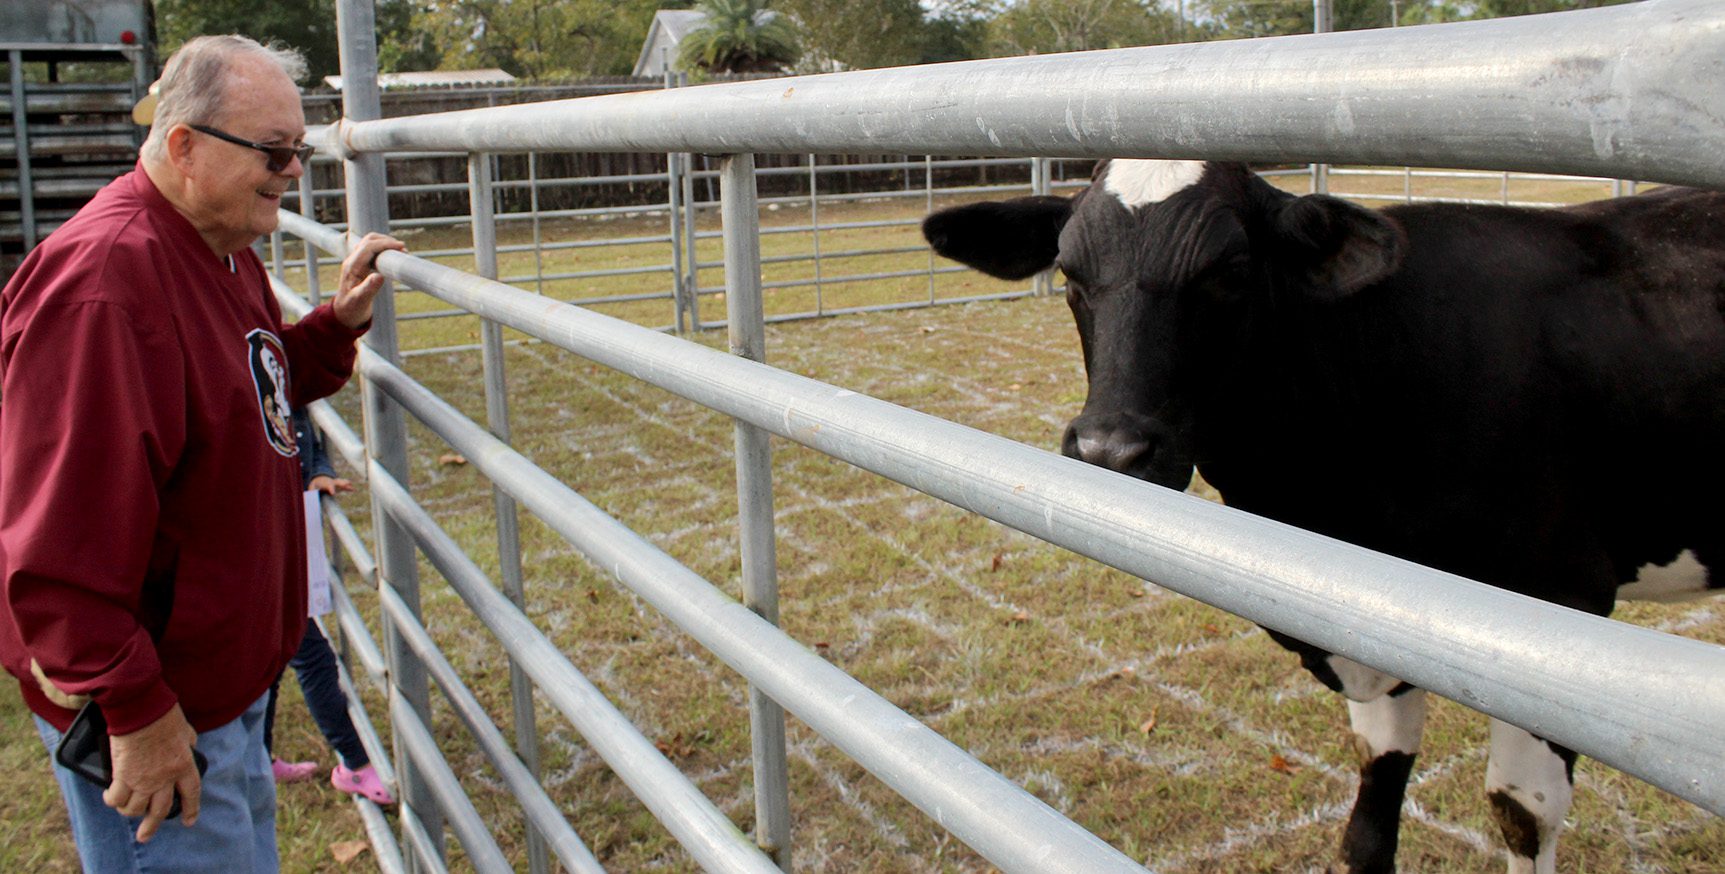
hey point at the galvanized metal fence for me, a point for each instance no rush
(676, 278)
(1623, 91)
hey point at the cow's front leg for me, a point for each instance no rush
(1387, 731)
(1530, 783)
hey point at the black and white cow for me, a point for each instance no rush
(1531, 398)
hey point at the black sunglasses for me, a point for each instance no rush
(278, 156)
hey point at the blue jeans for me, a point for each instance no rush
(320, 680)
(236, 830)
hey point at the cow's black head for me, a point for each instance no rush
(1175, 269)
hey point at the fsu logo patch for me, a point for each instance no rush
(270, 377)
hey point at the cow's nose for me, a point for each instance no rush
(1114, 443)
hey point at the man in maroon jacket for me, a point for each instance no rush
(151, 541)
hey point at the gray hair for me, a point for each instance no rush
(194, 82)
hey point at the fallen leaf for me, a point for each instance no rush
(1211, 629)
(823, 646)
(451, 458)
(675, 747)
(1283, 766)
(999, 559)
(347, 851)
(1150, 724)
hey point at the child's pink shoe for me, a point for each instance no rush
(364, 781)
(292, 772)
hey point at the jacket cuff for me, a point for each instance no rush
(322, 324)
(128, 714)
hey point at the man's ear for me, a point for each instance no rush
(1337, 247)
(179, 147)
(1011, 239)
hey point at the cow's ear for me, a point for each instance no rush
(1010, 239)
(1339, 247)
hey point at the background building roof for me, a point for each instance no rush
(434, 78)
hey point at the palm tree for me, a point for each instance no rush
(739, 36)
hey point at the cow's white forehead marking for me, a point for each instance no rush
(1139, 183)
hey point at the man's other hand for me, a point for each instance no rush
(149, 764)
(360, 280)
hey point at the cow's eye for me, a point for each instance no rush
(1227, 278)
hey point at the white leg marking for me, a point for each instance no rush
(1389, 723)
(1684, 579)
(1140, 183)
(1360, 683)
(1532, 775)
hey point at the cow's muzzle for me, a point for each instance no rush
(1129, 443)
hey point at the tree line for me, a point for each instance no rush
(562, 39)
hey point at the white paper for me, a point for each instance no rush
(318, 600)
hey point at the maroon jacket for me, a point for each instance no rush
(151, 541)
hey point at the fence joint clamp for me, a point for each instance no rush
(335, 139)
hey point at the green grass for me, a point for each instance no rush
(1044, 665)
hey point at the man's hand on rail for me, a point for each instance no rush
(360, 280)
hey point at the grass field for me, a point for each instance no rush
(1174, 731)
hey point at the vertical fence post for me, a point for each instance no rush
(142, 75)
(538, 231)
(1323, 19)
(928, 209)
(479, 193)
(744, 307)
(308, 208)
(385, 422)
(278, 260)
(680, 291)
(691, 246)
(1040, 185)
(815, 233)
(21, 145)
(691, 243)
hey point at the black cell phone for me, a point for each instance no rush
(84, 751)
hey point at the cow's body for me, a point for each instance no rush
(1532, 398)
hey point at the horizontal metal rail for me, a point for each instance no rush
(1624, 695)
(458, 810)
(996, 817)
(709, 836)
(1628, 90)
(472, 347)
(359, 639)
(424, 847)
(535, 804)
(377, 827)
(338, 436)
(1466, 201)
